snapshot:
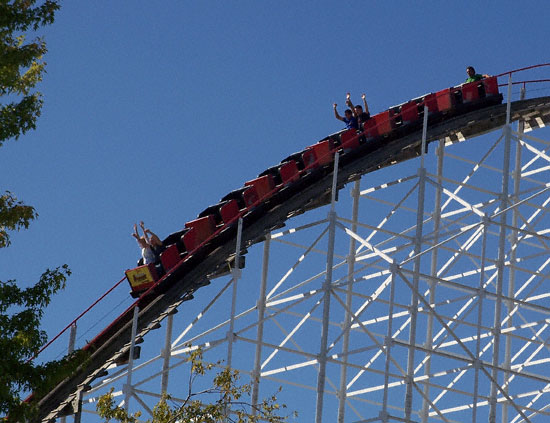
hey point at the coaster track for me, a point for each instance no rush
(311, 190)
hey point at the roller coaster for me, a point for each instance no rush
(205, 248)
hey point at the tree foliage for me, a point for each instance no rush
(14, 215)
(21, 337)
(21, 309)
(224, 400)
(21, 64)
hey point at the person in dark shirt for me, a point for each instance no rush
(348, 119)
(473, 76)
(361, 115)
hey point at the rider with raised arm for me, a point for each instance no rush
(349, 119)
(361, 115)
(150, 244)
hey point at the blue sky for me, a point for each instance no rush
(156, 110)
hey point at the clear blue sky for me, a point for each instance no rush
(155, 110)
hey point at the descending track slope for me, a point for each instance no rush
(310, 191)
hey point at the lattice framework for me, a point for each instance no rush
(420, 298)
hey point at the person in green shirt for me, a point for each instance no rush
(473, 76)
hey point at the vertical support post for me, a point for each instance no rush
(433, 272)
(77, 406)
(513, 257)
(416, 275)
(260, 332)
(72, 338)
(480, 299)
(70, 349)
(236, 275)
(500, 260)
(424, 134)
(326, 299)
(128, 386)
(166, 353)
(384, 415)
(347, 318)
(509, 100)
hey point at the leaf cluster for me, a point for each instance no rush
(21, 338)
(21, 310)
(226, 400)
(14, 215)
(21, 64)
